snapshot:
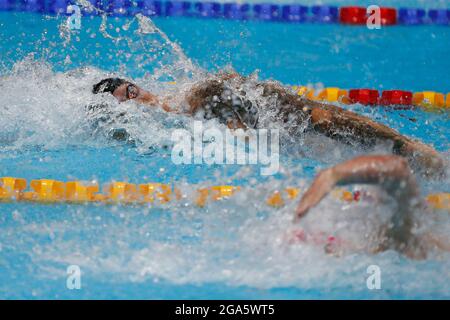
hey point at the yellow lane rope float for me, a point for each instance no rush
(214, 193)
(333, 94)
(53, 191)
(429, 99)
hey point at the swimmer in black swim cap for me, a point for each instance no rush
(124, 90)
(222, 97)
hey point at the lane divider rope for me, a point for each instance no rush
(52, 191)
(400, 98)
(291, 13)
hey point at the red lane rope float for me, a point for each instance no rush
(364, 96)
(396, 97)
(359, 15)
(388, 16)
(353, 15)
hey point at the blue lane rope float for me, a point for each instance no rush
(411, 16)
(236, 11)
(440, 16)
(119, 7)
(240, 11)
(208, 9)
(152, 8)
(294, 13)
(177, 8)
(57, 6)
(325, 14)
(34, 6)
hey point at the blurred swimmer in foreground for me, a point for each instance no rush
(392, 174)
(231, 99)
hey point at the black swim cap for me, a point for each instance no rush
(108, 85)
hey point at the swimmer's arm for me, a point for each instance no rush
(334, 122)
(147, 98)
(204, 90)
(166, 106)
(386, 171)
(437, 241)
(152, 100)
(229, 75)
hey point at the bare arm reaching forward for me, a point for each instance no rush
(333, 121)
(390, 172)
(393, 174)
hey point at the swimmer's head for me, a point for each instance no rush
(119, 88)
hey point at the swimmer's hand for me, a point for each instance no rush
(167, 104)
(322, 185)
(424, 155)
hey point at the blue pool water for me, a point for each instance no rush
(230, 249)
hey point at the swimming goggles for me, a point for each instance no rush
(132, 91)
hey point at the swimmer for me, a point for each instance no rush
(224, 97)
(392, 174)
(123, 90)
